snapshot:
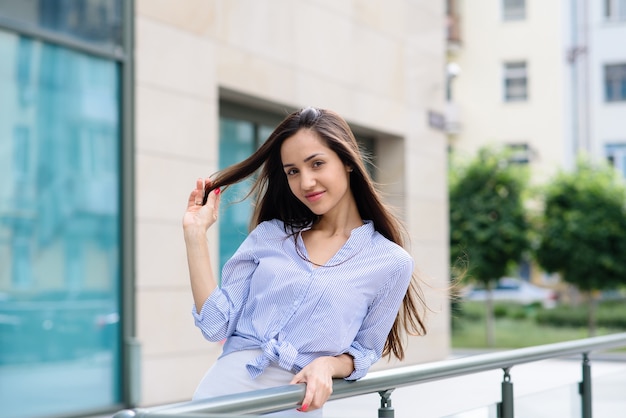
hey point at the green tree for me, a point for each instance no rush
(583, 230)
(488, 225)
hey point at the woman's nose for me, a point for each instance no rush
(307, 180)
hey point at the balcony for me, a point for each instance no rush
(453, 31)
(453, 26)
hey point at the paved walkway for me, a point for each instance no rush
(546, 388)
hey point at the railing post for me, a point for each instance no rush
(584, 388)
(505, 408)
(385, 410)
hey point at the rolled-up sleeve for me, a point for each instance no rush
(220, 312)
(367, 347)
(216, 318)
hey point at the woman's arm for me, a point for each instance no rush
(196, 222)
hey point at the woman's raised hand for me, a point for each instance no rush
(198, 217)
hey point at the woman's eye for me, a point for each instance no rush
(291, 172)
(318, 163)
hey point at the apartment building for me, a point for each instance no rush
(547, 79)
(109, 111)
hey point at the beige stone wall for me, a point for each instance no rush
(379, 64)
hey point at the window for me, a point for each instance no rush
(513, 9)
(616, 155)
(97, 22)
(60, 244)
(519, 153)
(515, 82)
(615, 9)
(615, 82)
(238, 139)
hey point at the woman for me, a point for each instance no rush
(321, 288)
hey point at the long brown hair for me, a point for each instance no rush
(274, 199)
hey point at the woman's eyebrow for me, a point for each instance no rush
(309, 158)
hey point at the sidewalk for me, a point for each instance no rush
(547, 388)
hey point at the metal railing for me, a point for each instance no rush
(384, 382)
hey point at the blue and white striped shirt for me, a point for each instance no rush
(271, 298)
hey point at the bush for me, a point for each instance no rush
(609, 314)
(500, 310)
(563, 316)
(475, 311)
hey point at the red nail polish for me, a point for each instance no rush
(304, 407)
(217, 191)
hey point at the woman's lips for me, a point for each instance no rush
(312, 197)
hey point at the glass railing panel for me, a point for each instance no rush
(488, 411)
(562, 401)
(608, 394)
(607, 398)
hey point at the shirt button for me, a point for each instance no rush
(295, 303)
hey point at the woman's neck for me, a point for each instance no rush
(339, 224)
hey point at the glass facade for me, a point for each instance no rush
(60, 275)
(96, 22)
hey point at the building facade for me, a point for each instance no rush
(111, 109)
(547, 79)
(607, 80)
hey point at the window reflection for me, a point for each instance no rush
(95, 21)
(238, 140)
(59, 229)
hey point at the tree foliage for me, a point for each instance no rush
(583, 232)
(488, 225)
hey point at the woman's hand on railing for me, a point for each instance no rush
(318, 376)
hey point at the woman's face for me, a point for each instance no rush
(315, 173)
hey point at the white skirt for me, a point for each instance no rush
(229, 375)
